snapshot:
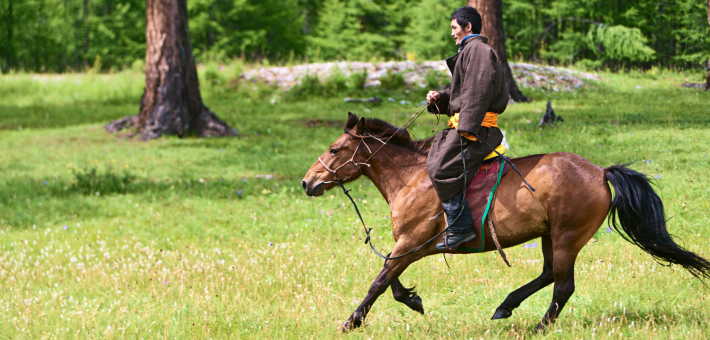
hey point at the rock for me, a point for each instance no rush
(527, 75)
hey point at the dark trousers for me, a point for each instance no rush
(444, 161)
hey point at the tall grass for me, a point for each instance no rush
(213, 238)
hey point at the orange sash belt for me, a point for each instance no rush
(489, 121)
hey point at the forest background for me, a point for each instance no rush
(106, 35)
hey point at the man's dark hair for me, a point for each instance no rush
(467, 14)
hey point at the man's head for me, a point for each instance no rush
(465, 21)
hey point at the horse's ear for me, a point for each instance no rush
(361, 125)
(352, 121)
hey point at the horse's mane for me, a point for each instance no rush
(383, 130)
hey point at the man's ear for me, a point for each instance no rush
(469, 27)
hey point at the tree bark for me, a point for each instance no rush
(492, 18)
(86, 34)
(11, 47)
(171, 103)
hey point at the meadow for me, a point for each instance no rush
(108, 237)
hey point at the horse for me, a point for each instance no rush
(570, 202)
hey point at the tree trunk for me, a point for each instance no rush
(210, 36)
(492, 18)
(171, 103)
(9, 58)
(707, 81)
(86, 34)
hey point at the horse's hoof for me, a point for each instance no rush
(540, 329)
(501, 313)
(416, 304)
(352, 323)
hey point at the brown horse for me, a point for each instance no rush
(570, 202)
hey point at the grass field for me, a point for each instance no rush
(104, 237)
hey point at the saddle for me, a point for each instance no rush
(480, 197)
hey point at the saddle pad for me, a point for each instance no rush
(478, 191)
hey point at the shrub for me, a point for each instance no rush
(92, 181)
(310, 86)
(213, 74)
(393, 81)
(336, 82)
(433, 80)
(357, 80)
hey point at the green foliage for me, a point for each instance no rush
(309, 86)
(434, 80)
(62, 35)
(620, 43)
(354, 30)
(358, 80)
(337, 81)
(392, 81)
(213, 75)
(92, 181)
(429, 33)
(65, 35)
(618, 33)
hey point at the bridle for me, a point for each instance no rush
(359, 165)
(339, 181)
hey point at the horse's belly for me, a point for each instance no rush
(519, 220)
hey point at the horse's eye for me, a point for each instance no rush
(333, 151)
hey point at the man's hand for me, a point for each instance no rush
(467, 135)
(432, 97)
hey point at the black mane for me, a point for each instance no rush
(383, 130)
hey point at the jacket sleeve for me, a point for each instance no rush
(443, 103)
(478, 88)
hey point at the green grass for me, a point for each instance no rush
(198, 244)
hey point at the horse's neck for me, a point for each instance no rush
(391, 172)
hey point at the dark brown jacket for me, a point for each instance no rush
(478, 86)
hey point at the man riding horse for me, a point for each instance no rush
(476, 96)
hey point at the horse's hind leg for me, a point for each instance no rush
(515, 298)
(406, 296)
(564, 284)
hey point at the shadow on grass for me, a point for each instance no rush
(28, 202)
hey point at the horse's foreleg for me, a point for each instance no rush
(390, 272)
(517, 297)
(406, 296)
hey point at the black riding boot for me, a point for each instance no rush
(461, 230)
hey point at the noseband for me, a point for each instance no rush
(352, 158)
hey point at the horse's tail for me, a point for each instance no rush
(641, 217)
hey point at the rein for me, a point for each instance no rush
(407, 124)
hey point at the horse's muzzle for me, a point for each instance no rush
(316, 190)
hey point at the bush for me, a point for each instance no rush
(212, 74)
(393, 81)
(310, 86)
(357, 81)
(336, 82)
(433, 81)
(92, 181)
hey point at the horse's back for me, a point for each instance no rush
(569, 190)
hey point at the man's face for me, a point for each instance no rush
(458, 32)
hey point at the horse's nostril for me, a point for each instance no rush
(304, 185)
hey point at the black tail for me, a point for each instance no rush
(640, 214)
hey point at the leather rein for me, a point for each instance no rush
(339, 181)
